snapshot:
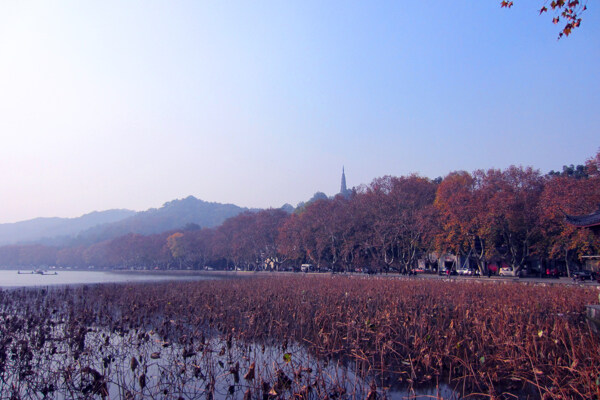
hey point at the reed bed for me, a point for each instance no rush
(300, 337)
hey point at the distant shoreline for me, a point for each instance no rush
(220, 274)
(180, 272)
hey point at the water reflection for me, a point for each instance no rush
(99, 363)
(61, 344)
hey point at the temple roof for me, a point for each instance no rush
(584, 220)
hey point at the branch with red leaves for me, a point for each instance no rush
(567, 11)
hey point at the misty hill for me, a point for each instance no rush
(53, 230)
(172, 215)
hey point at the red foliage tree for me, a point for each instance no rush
(396, 216)
(511, 211)
(571, 196)
(460, 212)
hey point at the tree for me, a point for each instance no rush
(315, 233)
(415, 196)
(289, 243)
(70, 257)
(336, 220)
(565, 194)
(578, 171)
(378, 213)
(592, 166)
(510, 210)
(175, 244)
(395, 213)
(459, 207)
(198, 244)
(264, 230)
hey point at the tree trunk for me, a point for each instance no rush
(567, 262)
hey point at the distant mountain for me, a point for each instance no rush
(57, 230)
(175, 214)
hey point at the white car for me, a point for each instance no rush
(468, 271)
(507, 271)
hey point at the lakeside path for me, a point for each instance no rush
(247, 274)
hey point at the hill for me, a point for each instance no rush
(55, 230)
(172, 215)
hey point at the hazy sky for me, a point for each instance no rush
(129, 104)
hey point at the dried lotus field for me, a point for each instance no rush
(299, 337)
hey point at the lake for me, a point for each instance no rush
(11, 278)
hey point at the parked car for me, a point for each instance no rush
(530, 272)
(446, 271)
(582, 275)
(306, 268)
(467, 271)
(507, 271)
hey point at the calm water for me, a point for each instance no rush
(11, 278)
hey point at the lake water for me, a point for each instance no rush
(12, 278)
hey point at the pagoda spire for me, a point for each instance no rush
(343, 189)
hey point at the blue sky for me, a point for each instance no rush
(131, 104)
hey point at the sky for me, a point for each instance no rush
(130, 104)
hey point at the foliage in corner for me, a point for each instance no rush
(568, 12)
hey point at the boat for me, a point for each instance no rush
(38, 272)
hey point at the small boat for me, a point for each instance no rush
(38, 272)
(44, 272)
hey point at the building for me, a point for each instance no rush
(590, 221)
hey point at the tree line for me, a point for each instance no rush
(512, 216)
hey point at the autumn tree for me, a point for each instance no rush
(335, 233)
(315, 233)
(264, 233)
(198, 245)
(249, 239)
(415, 196)
(319, 233)
(175, 243)
(509, 202)
(460, 214)
(568, 195)
(378, 215)
(289, 242)
(394, 211)
(99, 255)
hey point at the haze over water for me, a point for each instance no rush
(12, 278)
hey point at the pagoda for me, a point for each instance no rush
(343, 189)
